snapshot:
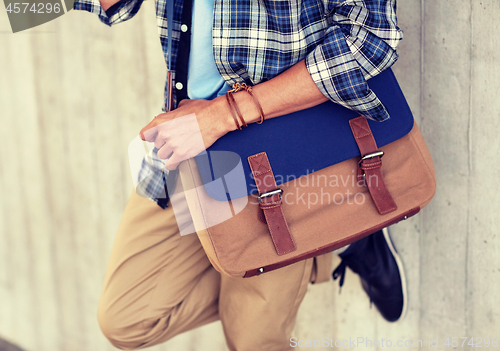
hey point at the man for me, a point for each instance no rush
(295, 54)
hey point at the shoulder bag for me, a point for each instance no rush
(301, 185)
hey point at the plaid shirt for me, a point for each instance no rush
(344, 44)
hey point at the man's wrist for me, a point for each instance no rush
(223, 114)
(246, 105)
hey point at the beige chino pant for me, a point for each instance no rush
(159, 284)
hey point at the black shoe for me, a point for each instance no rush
(377, 263)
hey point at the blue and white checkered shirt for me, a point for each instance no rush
(344, 44)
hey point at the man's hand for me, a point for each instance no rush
(188, 130)
(291, 91)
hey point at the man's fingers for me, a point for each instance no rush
(172, 163)
(153, 127)
(149, 132)
(165, 152)
(177, 157)
(159, 142)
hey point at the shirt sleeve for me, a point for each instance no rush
(359, 43)
(122, 11)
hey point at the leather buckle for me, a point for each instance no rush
(270, 193)
(372, 155)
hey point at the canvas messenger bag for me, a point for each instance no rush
(305, 184)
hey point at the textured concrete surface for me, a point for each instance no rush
(73, 93)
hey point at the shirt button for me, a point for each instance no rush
(184, 28)
(179, 86)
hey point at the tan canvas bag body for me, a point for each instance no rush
(313, 214)
(242, 246)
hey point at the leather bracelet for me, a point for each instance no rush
(259, 106)
(248, 89)
(229, 96)
(232, 111)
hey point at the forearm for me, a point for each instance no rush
(292, 90)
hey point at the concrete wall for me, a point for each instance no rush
(73, 93)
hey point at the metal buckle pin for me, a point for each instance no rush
(270, 193)
(372, 155)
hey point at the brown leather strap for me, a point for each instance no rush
(232, 111)
(238, 87)
(233, 104)
(370, 164)
(257, 103)
(270, 203)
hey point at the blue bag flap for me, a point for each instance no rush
(299, 143)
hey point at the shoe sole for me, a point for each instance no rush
(402, 276)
